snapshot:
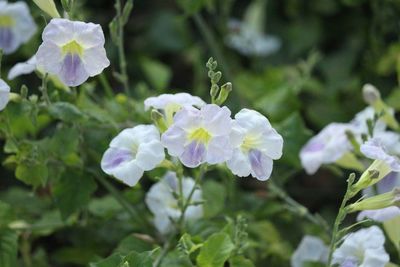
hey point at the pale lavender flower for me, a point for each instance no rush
(16, 25)
(4, 94)
(22, 68)
(310, 249)
(360, 122)
(326, 147)
(380, 215)
(72, 50)
(364, 248)
(162, 101)
(256, 145)
(132, 152)
(375, 149)
(249, 41)
(200, 136)
(163, 204)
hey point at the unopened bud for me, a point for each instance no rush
(381, 201)
(214, 91)
(158, 120)
(24, 91)
(370, 94)
(226, 89)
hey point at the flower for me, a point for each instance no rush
(163, 204)
(4, 94)
(380, 215)
(257, 144)
(22, 68)
(326, 147)
(132, 152)
(200, 136)
(310, 249)
(16, 25)
(363, 248)
(375, 149)
(360, 122)
(249, 41)
(72, 50)
(162, 101)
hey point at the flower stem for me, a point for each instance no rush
(43, 89)
(106, 85)
(340, 217)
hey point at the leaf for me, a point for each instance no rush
(191, 6)
(132, 243)
(6, 214)
(73, 191)
(127, 11)
(215, 251)
(104, 207)
(138, 259)
(112, 261)
(240, 261)
(157, 73)
(32, 173)
(214, 195)
(66, 112)
(8, 248)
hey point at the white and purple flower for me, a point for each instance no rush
(72, 50)
(16, 25)
(200, 136)
(4, 94)
(310, 250)
(163, 101)
(132, 152)
(256, 145)
(375, 149)
(163, 204)
(22, 68)
(364, 248)
(326, 147)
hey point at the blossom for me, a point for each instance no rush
(250, 42)
(16, 25)
(375, 149)
(4, 94)
(72, 50)
(257, 144)
(363, 248)
(22, 68)
(360, 122)
(310, 249)
(132, 152)
(380, 215)
(200, 136)
(162, 101)
(326, 147)
(163, 204)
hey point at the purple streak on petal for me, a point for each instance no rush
(387, 183)
(6, 38)
(115, 157)
(194, 154)
(71, 67)
(349, 263)
(255, 157)
(313, 147)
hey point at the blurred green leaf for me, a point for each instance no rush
(66, 112)
(6, 214)
(215, 251)
(112, 261)
(214, 195)
(157, 73)
(8, 248)
(133, 243)
(240, 261)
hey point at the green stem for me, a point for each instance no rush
(340, 217)
(299, 209)
(164, 250)
(43, 89)
(106, 85)
(26, 250)
(121, 51)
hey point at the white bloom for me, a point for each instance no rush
(375, 149)
(249, 41)
(256, 145)
(161, 102)
(72, 50)
(200, 136)
(310, 249)
(22, 68)
(380, 215)
(132, 152)
(326, 147)
(162, 203)
(360, 122)
(4, 94)
(364, 248)
(16, 25)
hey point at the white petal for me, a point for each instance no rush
(22, 68)
(128, 173)
(49, 58)
(4, 94)
(149, 155)
(174, 139)
(95, 60)
(217, 120)
(89, 35)
(59, 32)
(239, 164)
(219, 150)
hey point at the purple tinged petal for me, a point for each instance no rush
(73, 72)
(260, 164)
(6, 39)
(114, 157)
(194, 154)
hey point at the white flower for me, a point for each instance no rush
(249, 41)
(162, 203)
(161, 102)
(4, 94)
(22, 68)
(326, 147)
(16, 25)
(256, 143)
(310, 249)
(132, 152)
(360, 122)
(364, 248)
(380, 215)
(200, 136)
(375, 149)
(72, 50)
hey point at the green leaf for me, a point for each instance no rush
(73, 192)
(8, 248)
(158, 74)
(138, 259)
(215, 251)
(65, 143)
(6, 214)
(66, 112)
(133, 243)
(127, 11)
(214, 195)
(104, 207)
(191, 6)
(112, 261)
(240, 261)
(32, 173)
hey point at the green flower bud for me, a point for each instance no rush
(159, 120)
(381, 201)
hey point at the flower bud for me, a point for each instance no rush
(370, 94)
(381, 201)
(224, 93)
(158, 120)
(48, 6)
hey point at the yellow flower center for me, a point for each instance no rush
(201, 135)
(6, 21)
(250, 142)
(72, 48)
